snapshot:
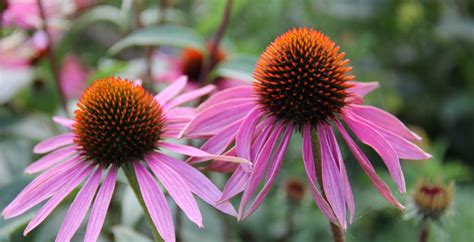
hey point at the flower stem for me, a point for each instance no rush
(132, 180)
(209, 63)
(51, 56)
(424, 233)
(337, 232)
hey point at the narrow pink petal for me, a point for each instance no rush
(264, 129)
(259, 168)
(235, 185)
(178, 189)
(216, 118)
(79, 207)
(362, 88)
(48, 207)
(51, 159)
(181, 112)
(198, 183)
(218, 143)
(189, 96)
(195, 152)
(368, 168)
(53, 143)
(244, 138)
(384, 120)
(42, 187)
(346, 184)
(101, 205)
(172, 90)
(155, 202)
(332, 180)
(226, 95)
(374, 139)
(272, 172)
(308, 161)
(66, 122)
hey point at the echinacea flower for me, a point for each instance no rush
(190, 63)
(430, 201)
(119, 125)
(302, 83)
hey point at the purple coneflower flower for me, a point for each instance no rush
(302, 84)
(119, 124)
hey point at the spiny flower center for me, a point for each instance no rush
(192, 61)
(117, 122)
(302, 78)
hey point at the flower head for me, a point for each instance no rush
(432, 200)
(120, 125)
(302, 83)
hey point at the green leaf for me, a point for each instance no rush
(100, 14)
(239, 67)
(125, 234)
(171, 35)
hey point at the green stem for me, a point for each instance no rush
(424, 232)
(337, 232)
(132, 180)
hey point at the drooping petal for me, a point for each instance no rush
(177, 188)
(101, 205)
(48, 207)
(362, 88)
(308, 161)
(172, 90)
(53, 143)
(226, 95)
(189, 96)
(374, 139)
(368, 168)
(259, 168)
(216, 118)
(195, 152)
(235, 185)
(198, 183)
(272, 172)
(331, 178)
(244, 137)
(51, 159)
(79, 207)
(155, 202)
(66, 122)
(342, 167)
(384, 120)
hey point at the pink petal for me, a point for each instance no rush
(259, 168)
(51, 159)
(346, 184)
(332, 180)
(384, 120)
(189, 96)
(72, 77)
(236, 184)
(76, 178)
(245, 133)
(155, 202)
(79, 207)
(63, 121)
(195, 152)
(172, 90)
(197, 182)
(53, 143)
(42, 187)
(272, 172)
(362, 88)
(374, 139)
(178, 189)
(368, 168)
(100, 207)
(308, 161)
(219, 142)
(217, 118)
(226, 95)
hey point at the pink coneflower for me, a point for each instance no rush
(190, 63)
(119, 125)
(302, 84)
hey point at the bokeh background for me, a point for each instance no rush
(421, 52)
